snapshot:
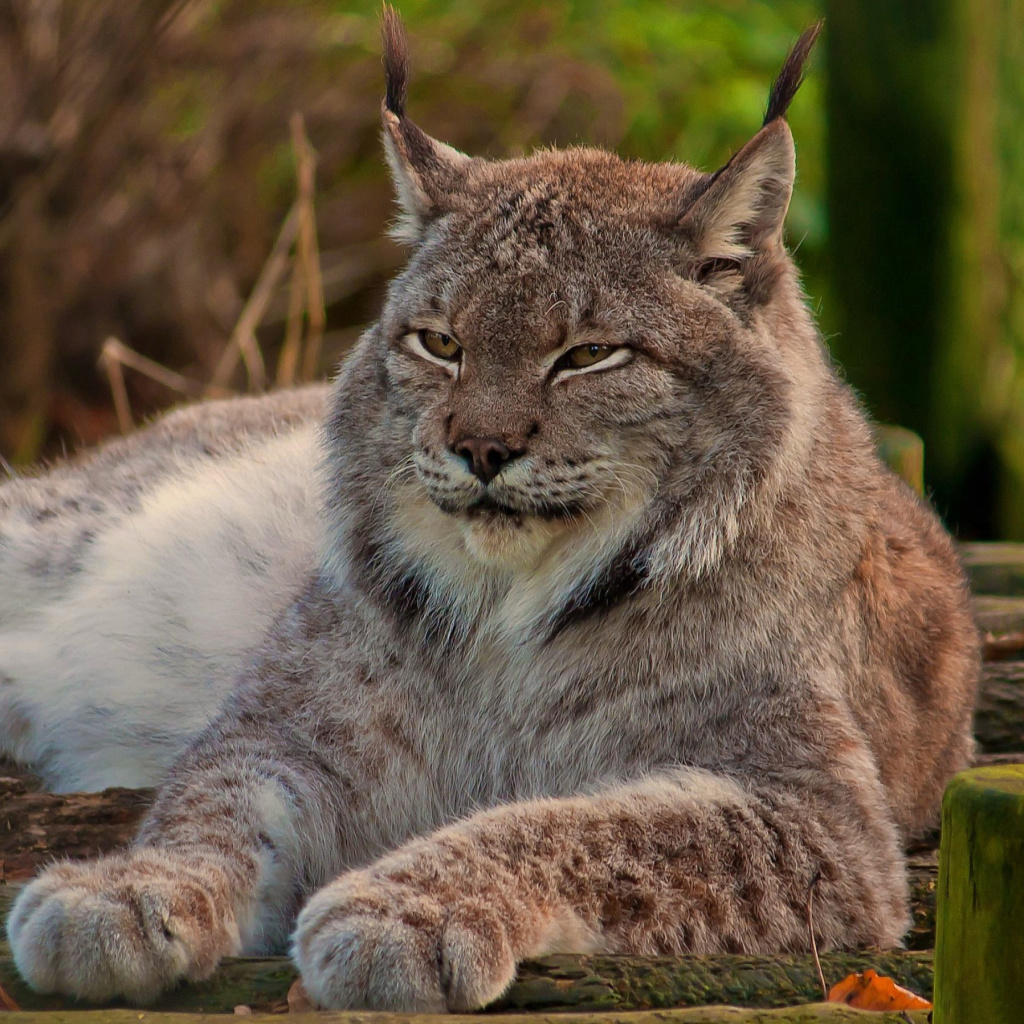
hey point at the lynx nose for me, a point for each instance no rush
(485, 456)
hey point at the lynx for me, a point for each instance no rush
(591, 620)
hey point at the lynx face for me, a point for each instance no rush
(559, 345)
(525, 352)
(586, 370)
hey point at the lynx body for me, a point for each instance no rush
(601, 625)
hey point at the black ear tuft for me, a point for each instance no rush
(396, 60)
(791, 75)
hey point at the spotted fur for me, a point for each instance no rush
(691, 652)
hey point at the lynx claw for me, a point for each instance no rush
(366, 942)
(129, 926)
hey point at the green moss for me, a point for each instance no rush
(903, 451)
(831, 1013)
(979, 958)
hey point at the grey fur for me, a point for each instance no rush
(692, 649)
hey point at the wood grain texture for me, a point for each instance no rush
(561, 983)
(815, 1013)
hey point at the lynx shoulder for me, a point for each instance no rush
(590, 579)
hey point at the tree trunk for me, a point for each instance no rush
(926, 236)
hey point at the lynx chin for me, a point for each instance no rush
(578, 614)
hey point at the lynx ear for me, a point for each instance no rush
(428, 175)
(742, 208)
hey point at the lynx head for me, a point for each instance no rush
(586, 359)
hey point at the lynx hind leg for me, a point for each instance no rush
(106, 683)
(130, 925)
(46, 527)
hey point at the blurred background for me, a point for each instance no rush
(193, 200)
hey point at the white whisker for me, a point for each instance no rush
(400, 469)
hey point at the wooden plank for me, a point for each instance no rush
(995, 568)
(999, 715)
(997, 614)
(980, 951)
(813, 1013)
(35, 826)
(565, 982)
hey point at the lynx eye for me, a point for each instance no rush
(440, 345)
(583, 356)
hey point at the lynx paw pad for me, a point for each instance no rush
(369, 943)
(124, 926)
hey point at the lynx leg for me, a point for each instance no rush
(685, 863)
(213, 873)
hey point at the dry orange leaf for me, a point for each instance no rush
(872, 991)
(298, 998)
(6, 1002)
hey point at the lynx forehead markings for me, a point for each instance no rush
(641, 642)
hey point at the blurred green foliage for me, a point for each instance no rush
(151, 166)
(652, 80)
(158, 168)
(683, 81)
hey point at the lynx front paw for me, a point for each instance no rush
(368, 942)
(128, 925)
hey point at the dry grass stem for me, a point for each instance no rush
(115, 375)
(113, 348)
(308, 250)
(243, 344)
(814, 941)
(116, 355)
(306, 295)
(306, 292)
(288, 360)
(309, 258)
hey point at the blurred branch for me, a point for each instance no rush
(42, 30)
(115, 355)
(115, 375)
(51, 124)
(306, 292)
(242, 343)
(288, 360)
(143, 29)
(26, 341)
